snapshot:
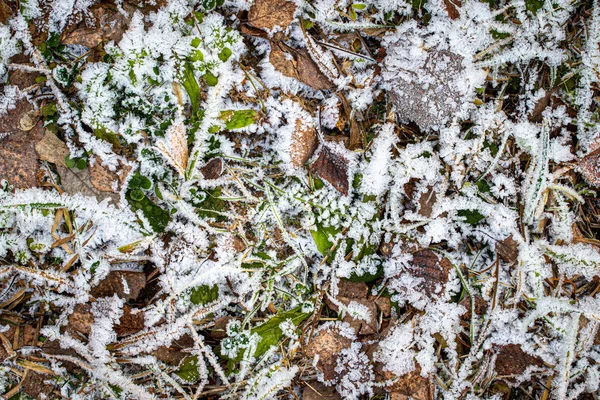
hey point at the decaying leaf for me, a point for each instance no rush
(315, 390)
(106, 180)
(452, 7)
(131, 322)
(333, 168)
(355, 292)
(433, 271)
(297, 63)
(327, 345)
(508, 249)
(50, 148)
(410, 386)
(37, 385)
(267, 14)
(511, 360)
(107, 24)
(304, 143)
(125, 284)
(74, 181)
(174, 147)
(589, 166)
(18, 158)
(81, 319)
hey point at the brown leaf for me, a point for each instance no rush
(589, 166)
(213, 168)
(333, 168)
(452, 7)
(410, 386)
(103, 179)
(37, 385)
(512, 360)
(296, 63)
(113, 284)
(74, 181)
(131, 322)
(356, 137)
(267, 14)
(304, 143)
(108, 24)
(433, 271)
(508, 249)
(50, 148)
(426, 202)
(5, 12)
(315, 390)
(81, 319)
(327, 344)
(18, 158)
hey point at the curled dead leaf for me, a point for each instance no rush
(296, 63)
(213, 168)
(174, 148)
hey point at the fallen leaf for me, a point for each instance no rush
(589, 166)
(5, 12)
(81, 319)
(267, 14)
(433, 271)
(333, 168)
(35, 385)
(50, 148)
(327, 344)
(297, 63)
(212, 169)
(174, 147)
(131, 322)
(304, 143)
(410, 386)
(74, 181)
(511, 360)
(18, 159)
(113, 284)
(427, 201)
(508, 249)
(452, 7)
(107, 24)
(104, 179)
(316, 390)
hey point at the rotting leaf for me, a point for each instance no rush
(106, 180)
(212, 169)
(333, 168)
(297, 63)
(50, 148)
(267, 14)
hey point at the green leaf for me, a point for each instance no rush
(188, 370)
(225, 54)
(270, 333)
(195, 42)
(190, 84)
(137, 195)
(69, 162)
(81, 163)
(359, 6)
(210, 79)
(156, 216)
(473, 216)
(483, 186)
(204, 294)
(49, 109)
(534, 5)
(196, 55)
(238, 119)
(321, 237)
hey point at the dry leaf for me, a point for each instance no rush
(315, 390)
(131, 322)
(508, 249)
(50, 148)
(34, 385)
(296, 63)
(18, 158)
(81, 319)
(433, 271)
(267, 14)
(327, 344)
(304, 143)
(74, 181)
(410, 386)
(109, 24)
(104, 179)
(212, 169)
(452, 7)
(5, 12)
(333, 168)
(174, 148)
(113, 284)
(512, 360)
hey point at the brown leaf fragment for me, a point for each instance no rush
(384, 305)
(18, 159)
(426, 202)
(508, 249)
(327, 344)
(50, 148)
(433, 272)
(356, 137)
(218, 331)
(452, 7)
(297, 63)
(333, 168)
(131, 322)
(81, 319)
(37, 385)
(5, 12)
(74, 181)
(104, 179)
(107, 24)
(589, 166)
(213, 168)
(540, 106)
(410, 386)
(267, 14)
(304, 143)
(511, 360)
(316, 390)
(113, 284)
